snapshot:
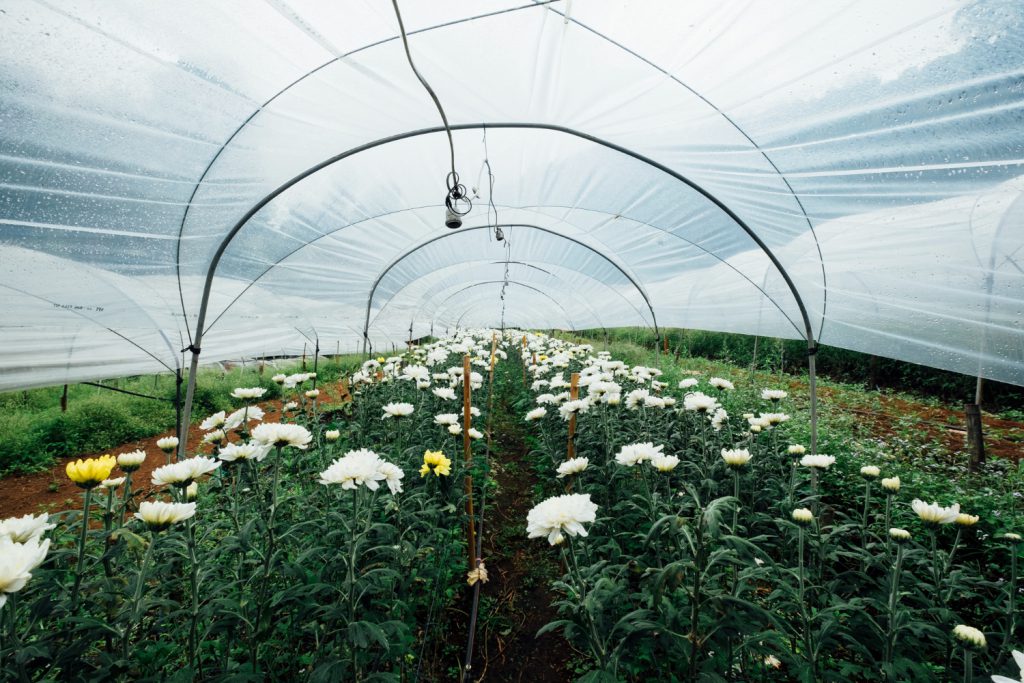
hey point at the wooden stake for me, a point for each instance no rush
(574, 393)
(467, 448)
(64, 400)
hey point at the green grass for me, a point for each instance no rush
(34, 433)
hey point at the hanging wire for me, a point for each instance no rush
(456, 190)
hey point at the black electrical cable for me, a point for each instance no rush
(456, 190)
(125, 391)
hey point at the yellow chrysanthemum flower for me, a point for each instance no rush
(436, 462)
(91, 472)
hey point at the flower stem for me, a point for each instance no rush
(894, 593)
(127, 498)
(79, 568)
(194, 585)
(137, 599)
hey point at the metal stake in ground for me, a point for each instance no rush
(574, 393)
(467, 449)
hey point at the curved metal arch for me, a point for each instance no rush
(533, 4)
(528, 265)
(195, 346)
(568, 318)
(531, 208)
(453, 233)
(581, 300)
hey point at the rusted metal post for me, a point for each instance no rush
(574, 393)
(467, 449)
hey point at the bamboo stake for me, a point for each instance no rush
(574, 393)
(467, 449)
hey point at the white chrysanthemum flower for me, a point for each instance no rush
(455, 429)
(561, 515)
(244, 451)
(664, 463)
(935, 513)
(25, 528)
(214, 437)
(718, 419)
(536, 414)
(397, 410)
(248, 393)
(700, 402)
(969, 636)
(292, 381)
(131, 461)
(1012, 537)
(475, 433)
(891, 485)
(192, 491)
(446, 419)
(637, 398)
(634, 454)
(654, 402)
(544, 399)
(290, 405)
(313, 393)
(612, 399)
(667, 402)
(573, 466)
(736, 458)
(570, 408)
(964, 519)
(721, 384)
(183, 472)
(899, 535)
(474, 411)
(774, 419)
(252, 414)
(689, 383)
(159, 515)
(17, 561)
(417, 373)
(658, 386)
(279, 378)
(795, 449)
(773, 394)
(112, 483)
(215, 421)
(803, 516)
(280, 435)
(393, 475)
(821, 462)
(356, 468)
(538, 384)
(167, 444)
(445, 393)
(870, 472)
(332, 434)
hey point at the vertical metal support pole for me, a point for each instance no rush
(64, 400)
(190, 393)
(467, 452)
(975, 437)
(316, 358)
(979, 389)
(177, 404)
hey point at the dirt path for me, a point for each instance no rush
(516, 602)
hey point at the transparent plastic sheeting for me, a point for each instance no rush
(873, 147)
